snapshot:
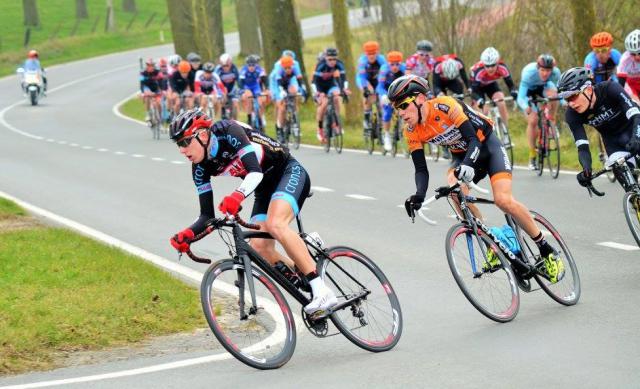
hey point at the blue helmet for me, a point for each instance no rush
(289, 53)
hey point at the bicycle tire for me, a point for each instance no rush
(553, 151)
(337, 133)
(631, 206)
(369, 141)
(339, 273)
(296, 132)
(327, 132)
(223, 314)
(540, 158)
(505, 138)
(567, 290)
(471, 267)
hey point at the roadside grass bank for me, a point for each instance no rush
(63, 38)
(61, 292)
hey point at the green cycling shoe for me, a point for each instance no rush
(553, 268)
(492, 262)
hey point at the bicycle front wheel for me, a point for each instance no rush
(374, 319)
(553, 151)
(337, 133)
(492, 290)
(631, 205)
(264, 336)
(567, 290)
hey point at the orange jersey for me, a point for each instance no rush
(440, 126)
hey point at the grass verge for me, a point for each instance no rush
(61, 292)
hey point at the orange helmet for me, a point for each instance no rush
(371, 47)
(601, 39)
(33, 54)
(184, 67)
(394, 56)
(286, 61)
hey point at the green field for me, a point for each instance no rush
(61, 292)
(57, 41)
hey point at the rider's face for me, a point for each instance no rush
(580, 102)
(410, 112)
(603, 54)
(194, 151)
(544, 73)
(491, 69)
(636, 57)
(372, 57)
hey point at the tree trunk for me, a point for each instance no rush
(584, 24)
(110, 24)
(342, 37)
(207, 28)
(279, 30)
(453, 41)
(81, 9)
(388, 12)
(181, 26)
(31, 16)
(247, 16)
(425, 7)
(129, 6)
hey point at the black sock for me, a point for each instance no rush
(311, 276)
(319, 123)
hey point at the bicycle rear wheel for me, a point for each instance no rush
(567, 290)
(631, 205)
(263, 338)
(493, 292)
(373, 322)
(553, 151)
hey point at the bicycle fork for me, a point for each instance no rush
(241, 285)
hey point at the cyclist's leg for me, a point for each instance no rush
(456, 160)
(553, 105)
(335, 95)
(502, 106)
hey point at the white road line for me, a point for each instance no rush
(116, 110)
(119, 153)
(160, 262)
(158, 159)
(62, 142)
(178, 162)
(102, 150)
(138, 155)
(51, 140)
(359, 197)
(619, 246)
(87, 147)
(74, 144)
(321, 189)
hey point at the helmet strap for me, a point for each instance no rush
(589, 98)
(419, 108)
(206, 147)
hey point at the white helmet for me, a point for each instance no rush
(225, 59)
(450, 69)
(490, 56)
(632, 42)
(174, 60)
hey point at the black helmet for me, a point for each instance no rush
(193, 57)
(574, 80)
(331, 52)
(187, 123)
(208, 67)
(546, 61)
(424, 45)
(252, 59)
(405, 86)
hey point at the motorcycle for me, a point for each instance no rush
(32, 84)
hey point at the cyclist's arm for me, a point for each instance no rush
(343, 75)
(523, 101)
(463, 73)
(247, 154)
(202, 180)
(198, 88)
(142, 82)
(382, 79)
(437, 84)
(469, 133)
(361, 79)
(421, 171)
(632, 112)
(580, 135)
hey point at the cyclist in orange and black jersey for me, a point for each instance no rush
(476, 150)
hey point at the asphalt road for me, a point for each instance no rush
(73, 157)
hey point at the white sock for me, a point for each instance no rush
(317, 284)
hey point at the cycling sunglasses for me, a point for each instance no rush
(186, 141)
(602, 50)
(570, 97)
(405, 103)
(331, 59)
(634, 54)
(394, 64)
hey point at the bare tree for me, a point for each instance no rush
(584, 24)
(247, 16)
(31, 16)
(81, 9)
(110, 24)
(279, 30)
(129, 6)
(207, 28)
(181, 26)
(342, 36)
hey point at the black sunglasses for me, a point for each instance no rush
(405, 103)
(186, 141)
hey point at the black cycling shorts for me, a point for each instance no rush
(455, 86)
(493, 160)
(489, 90)
(293, 186)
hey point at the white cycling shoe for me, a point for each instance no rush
(322, 301)
(387, 142)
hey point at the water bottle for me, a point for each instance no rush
(507, 236)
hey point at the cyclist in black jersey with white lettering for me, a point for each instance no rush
(280, 184)
(607, 108)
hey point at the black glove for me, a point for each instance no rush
(514, 94)
(633, 146)
(480, 103)
(584, 177)
(412, 204)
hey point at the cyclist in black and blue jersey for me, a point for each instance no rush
(607, 108)
(280, 184)
(329, 81)
(229, 75)
(253, 83)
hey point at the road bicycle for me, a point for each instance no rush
(332, 125)
(628, 178)
(603, 157)
(500, 126)
(291, 126)
(256, 116)
(548, 139)
(250, 317)
(229, 111)
(493, 289)
(210, 110)
(154, 118)
(397, 142)
(372, 126)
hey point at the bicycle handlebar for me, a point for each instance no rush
(621, 161)
(444, 191)
(214, 224)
